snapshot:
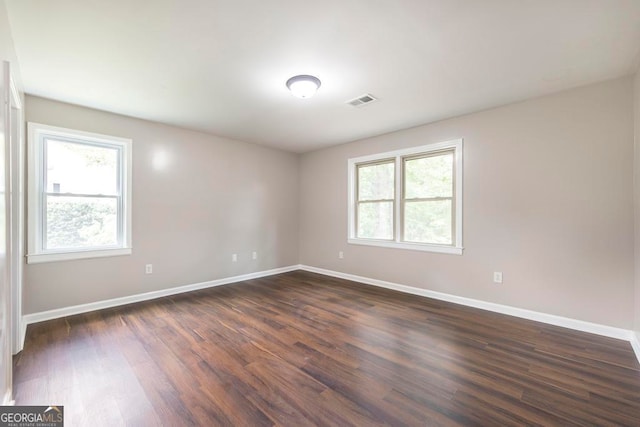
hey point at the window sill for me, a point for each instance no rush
(68, 256)
(410, 246)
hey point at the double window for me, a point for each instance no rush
(79, 194)
(410, 199)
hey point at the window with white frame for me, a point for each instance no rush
(79, 194)
(409, 199)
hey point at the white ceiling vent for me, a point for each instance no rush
(367, 98)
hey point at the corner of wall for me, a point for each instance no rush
(299, 213)
(636, 206)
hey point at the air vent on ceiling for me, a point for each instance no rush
(367, 98)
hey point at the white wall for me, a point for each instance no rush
(548, 200)
(7, 50)
(214, 197)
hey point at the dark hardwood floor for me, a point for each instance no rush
(304, 349)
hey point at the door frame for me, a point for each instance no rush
(15, 234)
(13, 224)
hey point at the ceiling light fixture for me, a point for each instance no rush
(303, 86)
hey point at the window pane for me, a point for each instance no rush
(376, 182)
(428, 222)
(81, 222)
(375, 220)
(81, 168)
(429, 177)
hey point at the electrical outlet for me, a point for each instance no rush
(254, 255)
(234, 258)
(341, 255)
(497, 277)
(148, 269)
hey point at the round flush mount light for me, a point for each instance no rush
(303, 86)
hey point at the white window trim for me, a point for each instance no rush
(456, 248)
(36, 132)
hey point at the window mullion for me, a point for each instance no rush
(375, 201)
(427, 199)
(95, 196)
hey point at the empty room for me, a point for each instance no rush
(344, 213)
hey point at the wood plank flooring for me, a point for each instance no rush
(302, 349)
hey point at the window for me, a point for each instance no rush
(409, 199)
(79, 194)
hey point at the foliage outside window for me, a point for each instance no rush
(410, 199)
(79, 194)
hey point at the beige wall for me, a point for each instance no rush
(548, 200)
(215, 197)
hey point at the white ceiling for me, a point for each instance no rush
(221, 66)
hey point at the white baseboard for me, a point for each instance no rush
(635, 343)
(565, 322)
(99, 305)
